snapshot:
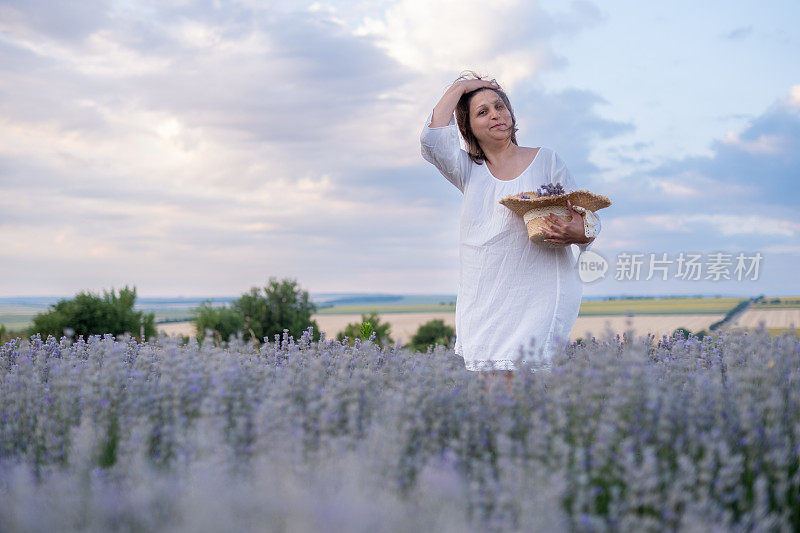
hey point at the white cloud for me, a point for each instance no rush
(724, 224)
(794, 96)
(675, 189)
(789, 249)
(665, 222)
(508, 39)
(747, 224)
(762, 145)
(100, 54)
(195, 34)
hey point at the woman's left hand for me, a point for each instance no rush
(561, 231)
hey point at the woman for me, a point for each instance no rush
(515, 298)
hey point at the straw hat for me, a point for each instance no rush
(533, 208)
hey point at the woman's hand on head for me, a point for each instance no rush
(467, 86)
(561, 231)
(443, 111)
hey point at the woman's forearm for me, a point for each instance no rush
(443, 111)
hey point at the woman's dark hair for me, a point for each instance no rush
(462, 117)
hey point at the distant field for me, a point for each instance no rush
(772, 318)
(15, 322)
(404, 325)
(22, 315)
(780, 331)
(14, 319)
(791, 302)
(18, 312)
(172, 315)
(658, 325)
(659, 306)
(648, 306)
(14, 316)
(386, 309)
(656, 315)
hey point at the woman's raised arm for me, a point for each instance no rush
(443, 111)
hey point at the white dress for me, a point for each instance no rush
(515, 298)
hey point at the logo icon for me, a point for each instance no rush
(591, 266)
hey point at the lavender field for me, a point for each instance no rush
(623, 434)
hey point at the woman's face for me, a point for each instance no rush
(489, 117)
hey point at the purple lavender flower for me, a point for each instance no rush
(550, 189)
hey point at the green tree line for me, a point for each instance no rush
(92, 314)
(261, 313)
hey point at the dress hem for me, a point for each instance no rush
(504, 364)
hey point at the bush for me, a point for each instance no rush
(222, 321)
(431, 333)
(369, 324)
(683, 333)
(261, 313)
(89, 314)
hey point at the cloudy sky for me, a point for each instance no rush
(198, 148)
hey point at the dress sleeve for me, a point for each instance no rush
(559, 173)
(441, 147)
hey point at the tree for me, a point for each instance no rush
(432, 332)
(261, 313)
(222, 321)
(282, 306)
(369, 324)
(89, 314)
